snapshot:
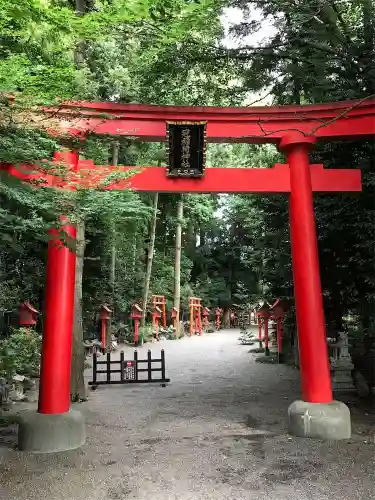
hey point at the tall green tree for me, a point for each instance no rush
(321, 51)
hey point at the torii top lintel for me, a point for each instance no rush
(331, 121)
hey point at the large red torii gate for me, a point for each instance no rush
(295, 130)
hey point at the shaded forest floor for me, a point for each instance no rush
(218, 431)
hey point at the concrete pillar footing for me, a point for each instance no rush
(51, 433)
(326, 421)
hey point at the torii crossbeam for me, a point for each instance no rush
(216, 180)
(254, 124)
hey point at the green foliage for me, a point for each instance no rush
(168, 333)
(247, 337)
(318, 52)
(20, 353)
(25, 145)
(146, 334)
(114, 50)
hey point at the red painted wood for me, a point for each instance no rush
(313, 351)
(350, 119)
(215, 180)
(150, 110)
(259, 330)
(103, 333)
(54, 395)
(279, 337)
(136, 331)
(265, 323)
(27, 314)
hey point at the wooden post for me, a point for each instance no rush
(312, 341)
(260, 332)
(191, 317)
(54, 394)
(177, 264)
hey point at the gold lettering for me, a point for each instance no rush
(185, 148)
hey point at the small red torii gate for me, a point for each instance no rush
(295, 130)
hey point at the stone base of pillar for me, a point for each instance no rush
(43, 433)
(326, 421)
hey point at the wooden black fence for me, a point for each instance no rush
(128, 371)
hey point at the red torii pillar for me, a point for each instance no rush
(54, 396)
(104, 318)
(136, 315)
(156, 315)
(37, 431)
(317, 415)
(159, 300)
(263, 317)
(218, 312)
(195, 316)
(198, 317)
(206, 321)
(259, 322)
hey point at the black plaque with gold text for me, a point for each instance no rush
(186, 149)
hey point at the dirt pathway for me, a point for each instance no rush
(218, 431)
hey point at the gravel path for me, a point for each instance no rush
(218, 431)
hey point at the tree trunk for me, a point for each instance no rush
(77, 382)
(112, 276)
(177, 263)
(368, 11)
(226, 319)
(134, 262)
(115, 152)
(79, 51)
(150, 256)
(80, 7)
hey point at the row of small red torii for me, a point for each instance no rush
(28, 317)
(276, 312)
(196, 311)
(159, 313)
